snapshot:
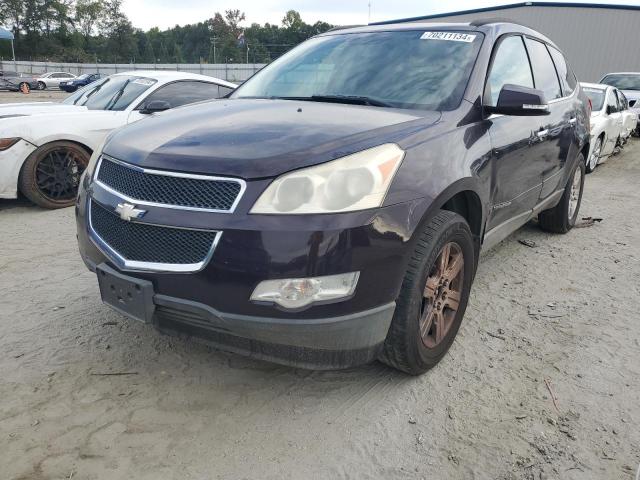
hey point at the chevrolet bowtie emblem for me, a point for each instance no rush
(128, 212)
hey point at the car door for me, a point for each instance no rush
(177, 94)
(557, 134)
(516, 173)
(613, 123)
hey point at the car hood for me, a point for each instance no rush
(33, 108)
(259, 138)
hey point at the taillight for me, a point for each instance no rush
(590, 105)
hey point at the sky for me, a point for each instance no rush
(167, 13)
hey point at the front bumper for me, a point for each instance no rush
(11, 161)
(213, 304)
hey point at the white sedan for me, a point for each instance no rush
(53, 79)
(45, 147)
(607, 122)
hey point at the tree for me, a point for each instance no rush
(86, 17)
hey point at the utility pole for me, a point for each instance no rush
(369, 13)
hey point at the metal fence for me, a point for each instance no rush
(232, 72)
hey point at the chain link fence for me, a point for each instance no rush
(232, 72)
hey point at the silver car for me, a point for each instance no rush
(53, 79)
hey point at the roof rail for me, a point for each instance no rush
(487, 21)
(342, 27)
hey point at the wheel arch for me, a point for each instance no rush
(465, 198)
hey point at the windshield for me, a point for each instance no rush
(407, 69)
(623, 81)
(112, 93)
(597, 98)
(83, 76)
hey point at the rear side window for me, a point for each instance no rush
(510, 66)
(567, 77)
(183, 93)
(544, 72)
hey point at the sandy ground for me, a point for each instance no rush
(561, 317)
(34, 96)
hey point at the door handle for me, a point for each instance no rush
(543, 133)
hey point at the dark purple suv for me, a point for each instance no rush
(332, 210)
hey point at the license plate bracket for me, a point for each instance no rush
(130, 296)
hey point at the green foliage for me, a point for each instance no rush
(98, 30)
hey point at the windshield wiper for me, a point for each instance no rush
(348, 99)
(117, 96)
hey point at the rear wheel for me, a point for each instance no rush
(433, 297)
(51, 175)
(24, 87)
(562, 217)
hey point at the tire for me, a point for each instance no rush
(42, 86)
(594, 158)
(405, 347)
(51, 175)
(24, 87)
(560, 219)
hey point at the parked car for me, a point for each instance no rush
(78, 82)
(17, 82)
(331, 211)
(53, 79)
(629, 84)
(44, 148)
(607, 123)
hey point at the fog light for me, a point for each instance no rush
(294, 293)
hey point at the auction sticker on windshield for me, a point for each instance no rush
(451, 36)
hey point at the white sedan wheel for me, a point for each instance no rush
(594, 158)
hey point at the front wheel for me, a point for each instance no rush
(51, 175)
(24, 88)
(433, 296)
(594, 158)
(42, 86)
(562, 217)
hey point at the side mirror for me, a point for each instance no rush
(155, 106)
(520, 101)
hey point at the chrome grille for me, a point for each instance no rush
(140, 245)
(170, 189)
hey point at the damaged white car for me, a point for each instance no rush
(607, 122)
(45, 147)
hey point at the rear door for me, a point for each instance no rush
(516, 172)
(557, 130)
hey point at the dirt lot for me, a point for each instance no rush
(553, 323)
(34, 96)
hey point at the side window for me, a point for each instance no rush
(184, 93)
(222, 91)
(544, 72)
(567, 77)
(510, 65)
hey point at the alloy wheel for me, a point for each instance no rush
(576, 187)
(595, 154)
(442, 294)
(58, 174)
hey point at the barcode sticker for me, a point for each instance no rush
(450, 36)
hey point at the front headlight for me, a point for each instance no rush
(355, 182)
